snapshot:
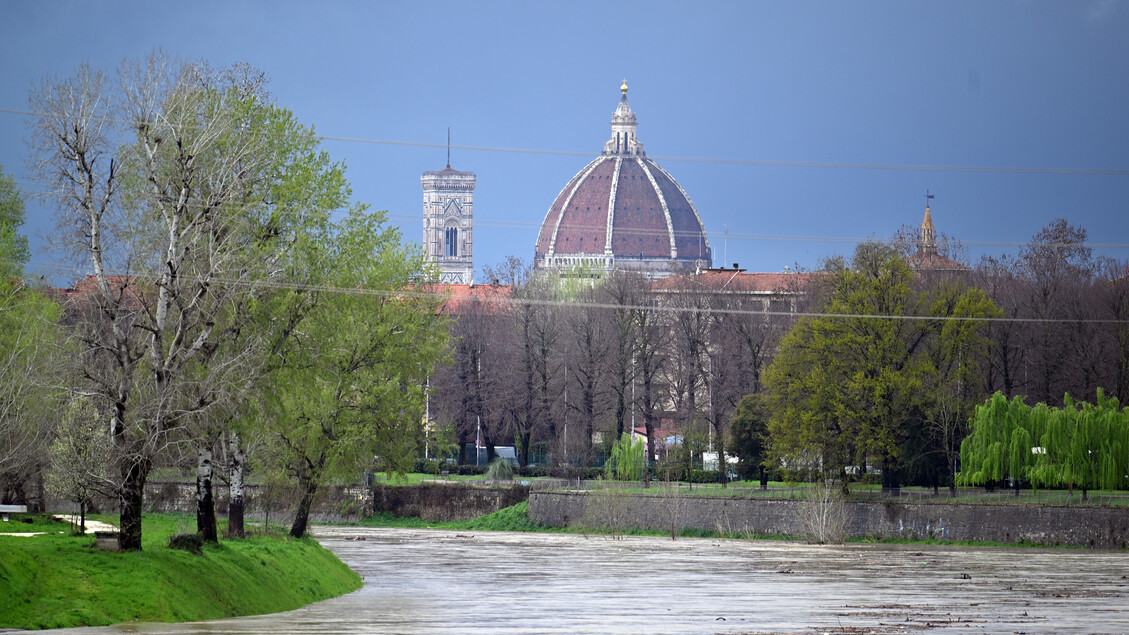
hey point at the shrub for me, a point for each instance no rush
(823, 515)
(187, 542)
(626, 460)
(500, 470)
(428, 466)
(704, 476)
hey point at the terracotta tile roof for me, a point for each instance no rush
(465, 298)
(738, 281)
(933, 262)
(85, 292)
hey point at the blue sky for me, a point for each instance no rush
(1004, 84)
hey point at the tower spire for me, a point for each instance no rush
(928, 242)
(448, 146)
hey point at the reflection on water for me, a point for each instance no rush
(424, 581)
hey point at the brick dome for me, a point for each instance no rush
(623, 210)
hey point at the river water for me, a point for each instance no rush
(431, 581)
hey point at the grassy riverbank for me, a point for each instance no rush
(60, 580)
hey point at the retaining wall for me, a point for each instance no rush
(334, 503)
(436, 502)
(439, 502)
(1104, 527)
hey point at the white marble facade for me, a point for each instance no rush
(448, 223)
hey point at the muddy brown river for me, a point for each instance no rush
(430, 581)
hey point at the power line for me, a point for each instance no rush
(423, 291)
(645, 232)
(713, 160)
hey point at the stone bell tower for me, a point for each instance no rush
(448, 219)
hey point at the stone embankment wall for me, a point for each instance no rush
(444, 502)
(335, 503)
(1103, 527)
(436, 502)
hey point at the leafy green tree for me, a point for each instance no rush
(352, 385)
(625, 462)
(1078, 445)
(749, 429)
(848, 388)
(14, 250)
(165, 184)
(289, 206)
(29, 354)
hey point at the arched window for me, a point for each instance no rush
(452, 242)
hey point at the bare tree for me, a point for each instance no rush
(625, 292)
(1006, 367)
(468, 391)
(1055, 266)
(588, 371)
(155, 182)
(1112, 302)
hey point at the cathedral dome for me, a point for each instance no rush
(623, 210)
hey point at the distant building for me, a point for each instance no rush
(927, 259)
(623, 211)
(448, 223)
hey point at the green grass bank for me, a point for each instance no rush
(59, 580)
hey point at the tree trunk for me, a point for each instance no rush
(523, 439)
(764, 479)
(235, 527)
(132, 499)
(82, 516)
(302, 516)
(952, 477)
(205, 501)
(890, 485)
(462, 447)
(723, 467)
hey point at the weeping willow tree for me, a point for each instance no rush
(625, 462)
(1080, 445)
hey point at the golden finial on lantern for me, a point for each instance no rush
(623, 88)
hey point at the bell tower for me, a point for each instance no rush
(927, 243)
(448, 220)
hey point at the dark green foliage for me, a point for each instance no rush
(432, 467)
(749, 431)
(466, 470)
(704, 476)
(848, 389)
(191, 543)
(562, 471)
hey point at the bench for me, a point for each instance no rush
(12, 509)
